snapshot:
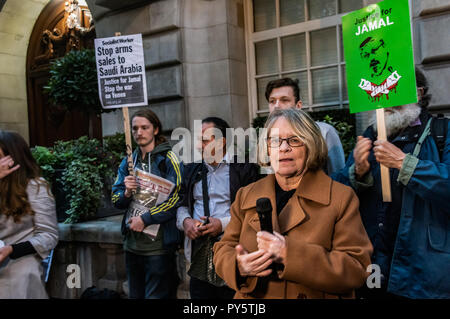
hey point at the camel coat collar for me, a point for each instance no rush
(314, 186)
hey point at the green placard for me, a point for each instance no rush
(379, 56)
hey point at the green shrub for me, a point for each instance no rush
(83, 184)
(73, 82)
(87, 165)
(47, 160)
(115, 145)
(346, 133)
(345, 124)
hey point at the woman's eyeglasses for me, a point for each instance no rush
(292, 141)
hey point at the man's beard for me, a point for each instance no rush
(399, 119)
(143, 142)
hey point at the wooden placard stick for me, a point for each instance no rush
(126, 127)
(385, 178)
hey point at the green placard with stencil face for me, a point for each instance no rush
(379, 56)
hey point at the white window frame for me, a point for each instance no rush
(277, 33)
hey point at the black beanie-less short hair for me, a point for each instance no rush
(219, 124)
(421, 82)
(278, 83)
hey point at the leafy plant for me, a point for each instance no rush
(87, 166)
(47, 160)
(115, 146)
(73, 82)
(83, 185)
(343, 122)
(346, 133)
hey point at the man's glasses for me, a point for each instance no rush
(292, 141)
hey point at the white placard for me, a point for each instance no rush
(121, 71)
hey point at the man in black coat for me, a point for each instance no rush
(208, 190)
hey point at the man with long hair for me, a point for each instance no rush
(209, 189)
(150, 263)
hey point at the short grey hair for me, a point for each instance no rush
(305, 128)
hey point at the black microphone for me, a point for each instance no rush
(264, 210)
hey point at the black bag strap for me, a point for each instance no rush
(438, 131)
(205, 190)
(197, 243)
(206, 198)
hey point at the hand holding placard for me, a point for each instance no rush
(361, 155)
(385, 178)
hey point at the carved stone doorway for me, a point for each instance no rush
(61, 27)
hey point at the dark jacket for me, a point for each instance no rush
(164, 213)
(421, 253)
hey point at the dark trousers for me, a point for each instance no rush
(200, 289)
(151, 277)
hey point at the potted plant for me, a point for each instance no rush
(73, 84)
(80, 172)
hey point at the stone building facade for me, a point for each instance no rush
(200, 61)
(194, 53)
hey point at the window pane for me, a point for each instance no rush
(321, 9)
(266, 57)
(261, 85)
(349, 5)
(294, 52)
(323, 47)
(302, 78)
(344, 84)
(325, 84)
(264, 14)
(292, 11)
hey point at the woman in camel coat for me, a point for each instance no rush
(319, 247)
